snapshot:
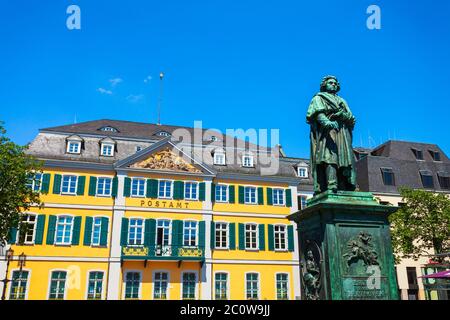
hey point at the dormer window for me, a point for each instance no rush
(219, 158)
(214, 138)
(418, 153)
(435, 155)
(163, 134)
(108, 129)
(138, 148)
(247, 160)
(302, 172)
(107, 149)
(74, 147)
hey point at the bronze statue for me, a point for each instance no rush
(361, 249)
(332, 122)
(311, 277)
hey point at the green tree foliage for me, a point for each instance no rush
(421, 225)
(16, 171)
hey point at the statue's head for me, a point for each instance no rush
(309, 254)
(330, 84)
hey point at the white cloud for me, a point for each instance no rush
(134, 98)
(115, 81)
(104, 91)
(147, 79)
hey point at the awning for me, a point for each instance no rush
(442, 274)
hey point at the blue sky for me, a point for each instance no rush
(232, 64)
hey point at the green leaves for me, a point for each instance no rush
(421, 225)
(15, 195)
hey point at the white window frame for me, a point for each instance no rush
(93, 231)
(256, 195)
(27, 214)
(288, 285)
(27, 287)
(185, 188)
(227, 193)
(283, 198)
(137, 189)
(190, 228)
(251, 161)
(220, 155)
(87, 284)
(73, 142)
(125, 284)
(256, 238)
(103, 148)
(142, 232)
(259, 285)
(227, 284)
(97, 187)
(165, 189)
(50, 283)
(285, 237)
(33, 183)
(64, 229)
(154, 284)
(227, 235)
(169, 239)
(299, 168)
(304, 196)
(76, 184)
(196, 284)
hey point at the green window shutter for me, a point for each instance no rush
(127, 187)
(12, 236)
(291, 238)
(115, 183)
(178, 190)
(260, 195)
(45, 183)
(152, 188)
(232, 235)
(149, 233)
(271, 239)
(262, 242)
(288, 198)
(124, 232)
(269, 196)
(87, 231)
(81, 183)
(57, 184)
(40, 226)
(231, 194)
(177, 230)
(76, 231)
(213, 235)
(51, 230)
(104, 232)
(201, 235)
(213, 192)
(92, 186)
(241, 194)
(201, 192)
(241, 236)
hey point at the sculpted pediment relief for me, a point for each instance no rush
(165, 160)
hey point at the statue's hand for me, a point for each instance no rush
(330, 125)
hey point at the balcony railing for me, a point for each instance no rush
(163, 252)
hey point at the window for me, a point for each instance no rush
(221, 286)
(69, 184)
(35, 182)
(136, 232)
(96, 231)
(74, 147)
(219, 158)
(251, 235)
(190, 233)
(138, 148)
(427, 179)
(189, 280)
(95, 285)
(18, 289)
(132, 285)
(444, 180)
(250, 195)
(160, 285)
(418, 154)
(104, 187)
(278, 197)
(221, 193)
(247, 161)
(302, 200)
(190, 191)
(302, 172)
(280, 237)
(388, 176)
(252, 286)
(435, 155)
(163, 134)
(27, 236)
(221, 235)
(282, 286)
(412, 277)
(165, 189)
(163, 238)
(57, 285)
(137, 187)
(214, 138)
(107, 149)
(64, 226)
(108, 129)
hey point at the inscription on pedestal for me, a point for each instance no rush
(361, 288)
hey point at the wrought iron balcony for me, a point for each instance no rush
(163, 252)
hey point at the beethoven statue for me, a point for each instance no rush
(332, 122)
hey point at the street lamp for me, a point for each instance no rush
(8, 257)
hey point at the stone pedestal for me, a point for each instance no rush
(345, 248)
